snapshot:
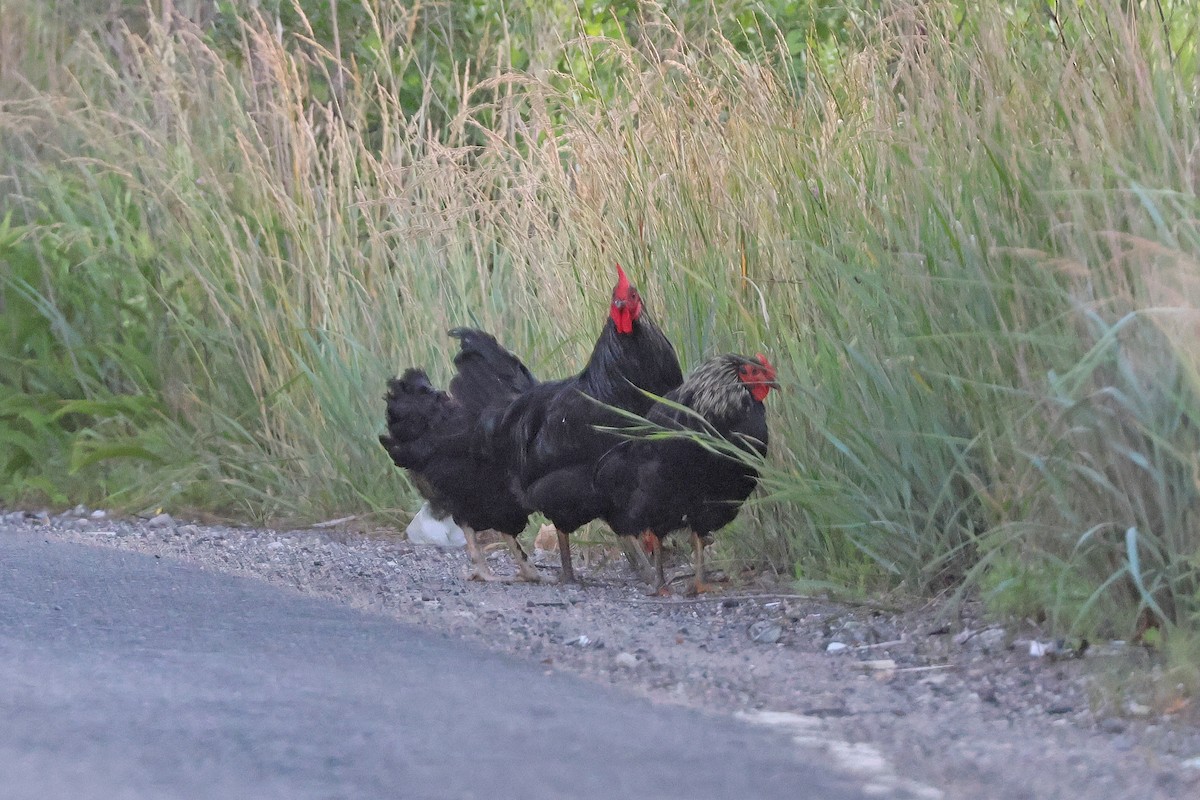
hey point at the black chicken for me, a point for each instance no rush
(437, 437)
(660, 484)
(548, 434)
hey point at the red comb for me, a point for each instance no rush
(763, 360)
(622, 283)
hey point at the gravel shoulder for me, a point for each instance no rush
(954, 710)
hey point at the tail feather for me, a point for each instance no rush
(413, 408)
(487, 374)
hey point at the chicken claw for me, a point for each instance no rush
(526, 571)
(480, 571)
(485, 574)
(637, 558)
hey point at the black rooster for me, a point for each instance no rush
(547, 435)
(437, 437)
(660, 484)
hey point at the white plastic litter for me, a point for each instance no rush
(425, 528)
(1042, 649)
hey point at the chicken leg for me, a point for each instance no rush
(480, 571)
(636, 556)
(526, 571)
(654, 544)
(564, 554)
(698, 584)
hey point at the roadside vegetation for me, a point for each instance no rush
(967, 238)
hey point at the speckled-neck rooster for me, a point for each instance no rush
(657, 485)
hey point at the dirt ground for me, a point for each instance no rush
(930, 708)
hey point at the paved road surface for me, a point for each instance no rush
(125, 676)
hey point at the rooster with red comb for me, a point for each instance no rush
(550, 436)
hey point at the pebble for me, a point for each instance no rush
(160, 521)
(1138, 710)
(626, 660)
(1113, 725)
(837, 647)
(766, 631)
(987, 638)
(1191, 763)
(1122, 743)
(855, 632)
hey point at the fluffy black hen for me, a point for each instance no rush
(437, 437)
(657, 485)
(547, 434)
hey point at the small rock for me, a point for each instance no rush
(992, 639)
(626, 660)
(1113, 647)
(837, 647)
(580, 641)
(276, 545)
(766, 631)
(1137, 709)
(854, 632)
(986, 639)
(79, 510)
(1191, 763)
(160, 521)
(1113, 725)
(99, 513)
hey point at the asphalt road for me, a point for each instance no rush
(126, 676)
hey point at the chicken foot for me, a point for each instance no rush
(526, 571)
(659, 584)
(636, 556)
(698, 584)
(480, 571)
